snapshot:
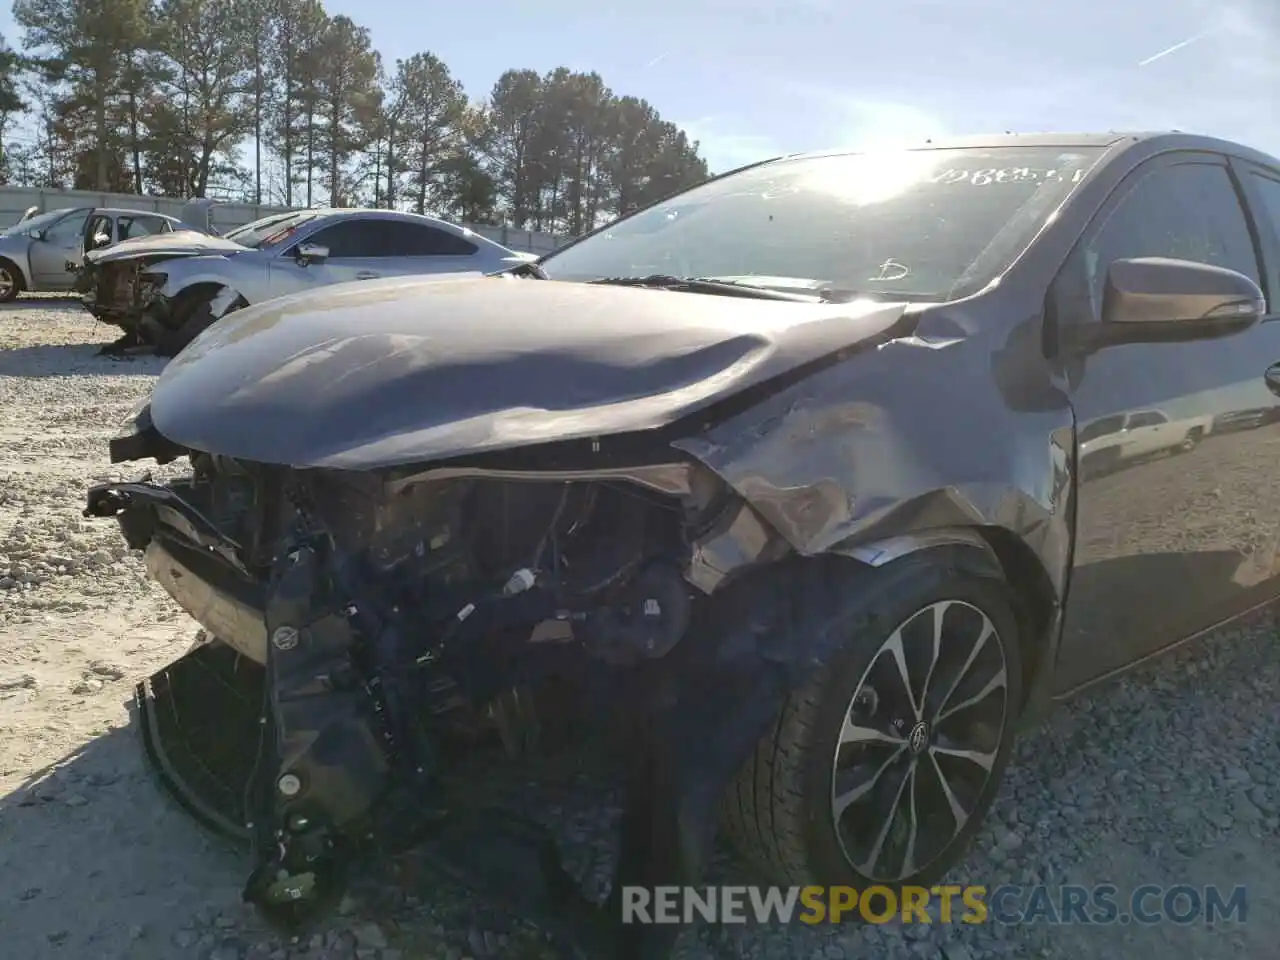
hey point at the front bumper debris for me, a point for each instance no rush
(281, 738)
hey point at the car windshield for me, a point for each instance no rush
(41, 222)
(268, 230)
(931, 224)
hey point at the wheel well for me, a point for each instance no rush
(991, 551)
(1034, 597)
(191, 295)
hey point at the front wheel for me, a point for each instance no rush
(882, 768)
(10, 281)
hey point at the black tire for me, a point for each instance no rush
(10, 281)
(1193, 438)
(197, 321)
(778, 812)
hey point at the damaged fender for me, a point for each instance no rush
(223, 301)
(838, 463)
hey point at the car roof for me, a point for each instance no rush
(132, 212)
(1154, 141)
(382, 212)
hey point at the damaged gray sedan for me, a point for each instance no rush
(779, 472)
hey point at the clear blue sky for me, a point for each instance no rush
(753, 78)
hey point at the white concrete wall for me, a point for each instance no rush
(15, 200)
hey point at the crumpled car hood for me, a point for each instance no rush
(400, 371)
(191, 243)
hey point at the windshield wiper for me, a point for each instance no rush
(728, 288)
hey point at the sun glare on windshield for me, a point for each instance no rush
(869, 178)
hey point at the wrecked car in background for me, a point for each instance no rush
(779, 473)
(42, 252)
(162, 291)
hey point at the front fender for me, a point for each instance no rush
(20, 257)
(913, 440)
(185, 273)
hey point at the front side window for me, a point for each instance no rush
(925, 224)
(1186, 212)
(1101, 427)
(68, 229)
(351, 239)
(1147, 418)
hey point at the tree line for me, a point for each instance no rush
(275, 101)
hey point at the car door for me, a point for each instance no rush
(62, 241)
(1259, 426)
(356, 252)
(419, 248)
(1167, 547)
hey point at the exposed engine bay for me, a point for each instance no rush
(127, 294)
(365, 624)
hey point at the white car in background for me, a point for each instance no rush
(164, 290)
(42, 251)
(1108, 443)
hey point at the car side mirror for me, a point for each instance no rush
(35, 234)
(309, 253)
(1159, 300)
(1200, 299)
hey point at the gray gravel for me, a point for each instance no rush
(1170, 776)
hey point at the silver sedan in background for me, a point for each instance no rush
(35, 251)
(163, 290)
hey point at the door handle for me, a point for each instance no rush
(366, 275)
(1272, 377)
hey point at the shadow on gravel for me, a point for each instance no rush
(95, 861)
(94, 848)
(40, 303)
(80, 359)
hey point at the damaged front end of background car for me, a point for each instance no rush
(402, 530)
(124, 286)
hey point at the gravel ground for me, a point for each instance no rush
(1171, 776)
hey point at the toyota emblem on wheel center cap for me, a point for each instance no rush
(918, 738)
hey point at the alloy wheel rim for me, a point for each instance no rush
(918, 741)
(6, 282)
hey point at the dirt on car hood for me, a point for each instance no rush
(386, 372)
(179, 243)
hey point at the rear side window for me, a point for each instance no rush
(1269, 191)
(1188, 212)
(417, 240)
(131, 227)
